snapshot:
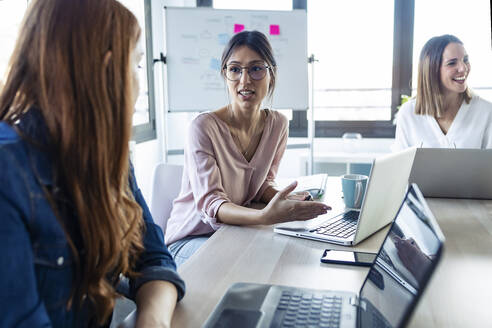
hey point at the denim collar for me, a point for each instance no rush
(7, 133)
(35, 134)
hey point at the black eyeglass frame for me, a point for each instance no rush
(248, 69)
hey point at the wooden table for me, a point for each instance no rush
(459, 295)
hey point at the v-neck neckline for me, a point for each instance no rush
(456, 121)
(233, 143)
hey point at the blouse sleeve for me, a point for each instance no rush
(203, 172)
(401, 134)
(155, 263)
(487, 135)
(282, 144)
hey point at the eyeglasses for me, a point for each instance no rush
(256, 72)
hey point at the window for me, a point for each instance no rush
(353, 75)
(11, 14)
(470, 22)
(141, 115)
(364, 53)
(144, 116)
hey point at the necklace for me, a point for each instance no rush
(254, 137)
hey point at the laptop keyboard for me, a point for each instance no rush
(379, 322)
(343, 227)
(297, 309)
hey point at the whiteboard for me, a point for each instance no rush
(196, 38)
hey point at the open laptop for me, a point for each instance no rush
(396, 280)
(385, 190)
(453, 173)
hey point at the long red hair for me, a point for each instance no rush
(59, 67)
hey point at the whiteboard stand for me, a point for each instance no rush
(311, 126)
(161, 112)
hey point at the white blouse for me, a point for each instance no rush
(471, 128)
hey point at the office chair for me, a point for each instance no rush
(166, 184)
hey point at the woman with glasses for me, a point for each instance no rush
(444, 113)
(232, 156)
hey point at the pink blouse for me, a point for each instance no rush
(215, 172)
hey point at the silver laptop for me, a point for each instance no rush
(453, 173)
(385, 190)
(396, 280)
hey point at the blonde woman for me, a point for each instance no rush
(444, 113)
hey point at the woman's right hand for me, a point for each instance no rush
(282, 209)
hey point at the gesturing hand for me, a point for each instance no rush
(300, 195)
(416, 261)
(283, 209)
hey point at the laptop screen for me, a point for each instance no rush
(403, 266)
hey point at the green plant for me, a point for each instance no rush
(404, 99)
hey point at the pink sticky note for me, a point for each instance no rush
(238, 28)
(274, 30)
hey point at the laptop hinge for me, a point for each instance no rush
(355, 301)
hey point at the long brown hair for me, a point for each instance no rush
(61, 66)
(430, 99)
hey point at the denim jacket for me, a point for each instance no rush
(36, 262)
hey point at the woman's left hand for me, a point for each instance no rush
(281, 209)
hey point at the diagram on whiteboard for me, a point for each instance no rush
(196, 38)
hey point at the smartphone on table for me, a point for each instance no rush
(348, 257)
